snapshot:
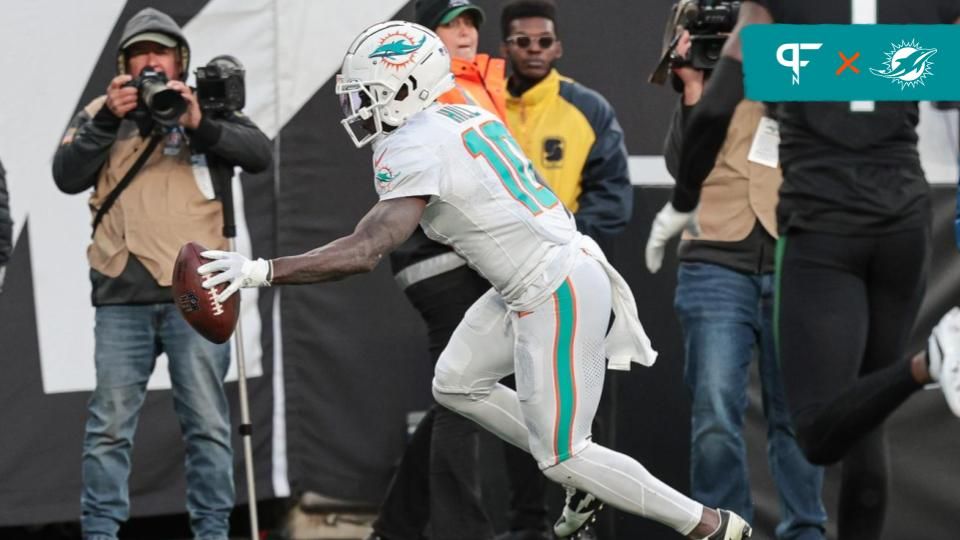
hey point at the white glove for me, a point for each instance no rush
(668, 223)
(235, 268)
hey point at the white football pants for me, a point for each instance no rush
(557, 353)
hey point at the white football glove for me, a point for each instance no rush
(235, 268)
(668, 223)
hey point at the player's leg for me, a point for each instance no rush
(863, 488)
(527, 508)
(896, 286)
(438, 479)
(480, 353)
(799, 483)
(457, 511)
(560, 371)
(824, 323)
(466, 379)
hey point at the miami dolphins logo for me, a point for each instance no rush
(385, 174)
(908, 64)
(398, 49)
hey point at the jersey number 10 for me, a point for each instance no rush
(494, 143)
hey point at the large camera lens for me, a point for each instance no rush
(165, 104)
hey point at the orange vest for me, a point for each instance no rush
(480, 82)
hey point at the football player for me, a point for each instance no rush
(455, 171)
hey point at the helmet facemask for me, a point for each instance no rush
(361, 117)
(392, 71)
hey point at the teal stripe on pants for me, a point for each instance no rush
(565, 385)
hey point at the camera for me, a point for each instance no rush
(155, 100)
(709, 22)
(220, 85)
(709, 30)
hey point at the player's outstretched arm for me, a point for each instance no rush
(386, 226)
(383, 229)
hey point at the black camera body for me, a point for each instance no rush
(709, 22)
(221, 87)
(713, 21)
(155, 100)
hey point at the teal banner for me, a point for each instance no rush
(852, 62)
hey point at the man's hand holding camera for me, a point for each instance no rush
(121, 98)
(691, 77)
(191, 118)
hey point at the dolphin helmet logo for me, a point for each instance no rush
(385, 174)
(908, 64)
(398, 49)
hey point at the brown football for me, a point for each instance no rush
(199, 306)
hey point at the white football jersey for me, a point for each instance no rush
(484, 199)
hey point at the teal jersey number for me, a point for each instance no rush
(514, 171)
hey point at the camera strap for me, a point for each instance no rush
(124, 182)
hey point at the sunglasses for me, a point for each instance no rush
(524, 42)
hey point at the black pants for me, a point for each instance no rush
(438, 480)
(846, 307)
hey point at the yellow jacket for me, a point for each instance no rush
(572, 136)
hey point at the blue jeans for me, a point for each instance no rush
(128, 340)
(726, 315)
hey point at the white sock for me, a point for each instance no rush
(623, 483)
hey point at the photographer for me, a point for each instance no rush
(6, 226)
(169, 200)
(853, 251)
(724, 300)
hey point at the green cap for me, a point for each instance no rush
(433, 13)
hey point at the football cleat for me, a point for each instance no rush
(579, 511)
(943, 357)
(732, 527)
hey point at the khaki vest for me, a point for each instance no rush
(160, 210)
(738, 192)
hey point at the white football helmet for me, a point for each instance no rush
(382, 61)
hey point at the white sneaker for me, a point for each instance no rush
(732, 527)
(943, 357)
(579, 511)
